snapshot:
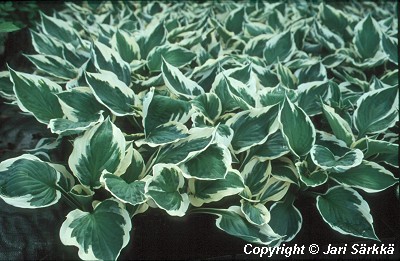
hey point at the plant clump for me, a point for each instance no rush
(181, 105)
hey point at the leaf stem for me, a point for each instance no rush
(70, 200)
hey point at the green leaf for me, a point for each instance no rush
(6, 86)
(216, 157)
(333, 18)
(8, 27)
(286, 219)
(173, 54)
(79, 104)
(345, 211)
(134, 164)
(59, 29)
(326, 160)
(297, 128)
(313, 73)
(164, 134)
(379, 151)
(164, 188)
(256, 214)
(273, 148)
(367, 37)
(127, 192)
(231, 221)
(100, 148)
(54, 65)
(126, 45)
(271, 96)
(28, 182)
(176, 153)
(208, 105)
(390, 46)
(286, 77)
(206, 191)
(112, 93)
(155, 35)
(327, 38)
(313, 177)
(255, 175)
(274, 190)
(368, 176)
(107, 59)
(36, 95)
(178, 83)
(160, 110)
(311, 94)
(376, 111)
(281, 48)
(232, 93)
(65, 127)
(284, 170)
(253, 127)
(339, 126)
(235, 19)
(100, 234)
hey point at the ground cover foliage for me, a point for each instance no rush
(232, 109)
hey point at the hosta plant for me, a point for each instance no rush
(180, 106)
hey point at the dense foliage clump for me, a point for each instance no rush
(180, 105)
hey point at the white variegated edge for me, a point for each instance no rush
(271, 43)
(176, 73)
(264, 212)
(179, 126)
(68, 110)
(103, 181)
(227, 160)
(22, 201)
(293, 107)
(395, 106)
(108, 54)
(340, 168)
(252, 113)
(248, 169)
(342, 123)
(131, 42)
(198, 202)
(359, 27)
(126, 161)
(45, 59)
(59, 22)
(51, 125)
(147, 99)
(373, 165)
(68, 240)
(288, 164)
(264, 229)
(363, 208)
(197, 133)
(299, 223)
(235, 84)
(277, 196)
(222, 139)
(112, 80)
(53, 87)
(157, 169)
(81, 144)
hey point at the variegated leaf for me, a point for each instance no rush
(36, 95)
(100, 234)
(100, 148)
(164, 188)
(112, 93)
